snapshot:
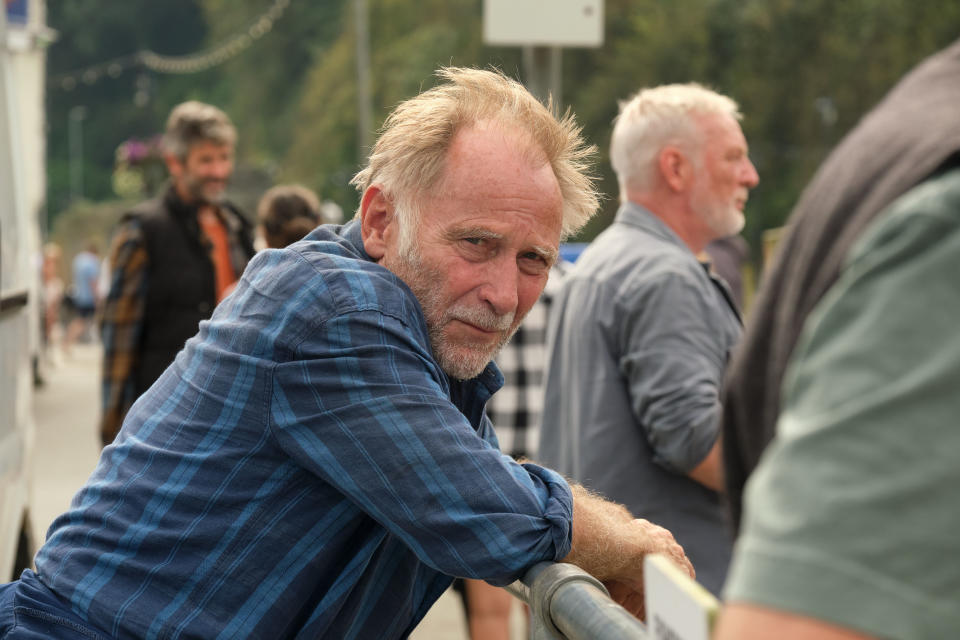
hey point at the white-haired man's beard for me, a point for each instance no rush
(461, 359)
(723, 218)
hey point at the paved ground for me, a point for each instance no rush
(67, 445)
(66, 411)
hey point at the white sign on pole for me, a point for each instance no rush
(561, 23)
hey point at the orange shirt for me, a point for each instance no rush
(216, 232)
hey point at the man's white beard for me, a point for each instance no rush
(723, 220)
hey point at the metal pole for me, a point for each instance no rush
(364, 102)
(556, 75)
(75, 119)
(542, 67)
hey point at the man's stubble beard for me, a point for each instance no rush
(460, 360)
(201, 195)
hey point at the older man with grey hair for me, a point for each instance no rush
(316, 463)
(641, 331)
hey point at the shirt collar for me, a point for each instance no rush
(177, 206)
(471, 396)
(343, 240)
(351, 233)
(633, 214)
(490, 379)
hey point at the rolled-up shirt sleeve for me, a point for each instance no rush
(673, 361)
(363, 407)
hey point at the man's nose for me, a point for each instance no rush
(221, 169)
(501, 286)
(751, 178)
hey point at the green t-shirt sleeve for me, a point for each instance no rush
(852, 515)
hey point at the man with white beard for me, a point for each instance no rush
(640, 332)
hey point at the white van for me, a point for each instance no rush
(22, 178)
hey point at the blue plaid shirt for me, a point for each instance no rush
(303, 469)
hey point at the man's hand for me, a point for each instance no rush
(628, 592)
(662, 541)
(628, 597)
(610, 544)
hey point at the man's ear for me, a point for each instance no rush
(675, 168)
(376, 221)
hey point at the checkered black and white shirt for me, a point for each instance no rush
(516, 408)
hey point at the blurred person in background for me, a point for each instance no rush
(726, 256)
(317, 461)
(173, 259)
(286, 213)
(640, 331)
(840, 409)
(84, 294)
(53, 292)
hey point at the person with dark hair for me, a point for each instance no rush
(286, 213)
(173, 259)
(840, 429)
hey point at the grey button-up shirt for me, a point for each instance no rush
(638, 341)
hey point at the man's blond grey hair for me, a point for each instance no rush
(410, 154)
(654, 118)
(192, 122)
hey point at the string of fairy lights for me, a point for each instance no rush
(193, 63)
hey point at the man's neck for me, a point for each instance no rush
(678, 218)
(184, 196)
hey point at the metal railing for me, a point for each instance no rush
(566, 603)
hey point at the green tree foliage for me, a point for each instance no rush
(407, 46)
(91, 33)
(806, 71)
(262, 87)
(803, 71)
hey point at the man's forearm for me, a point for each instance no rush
(610, 544)
(709, 472)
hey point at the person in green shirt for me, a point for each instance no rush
(841, 404)
(851, 517)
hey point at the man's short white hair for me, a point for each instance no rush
(410, 155)
(657, 117)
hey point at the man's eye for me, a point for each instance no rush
(474, 241)
(534, 263)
